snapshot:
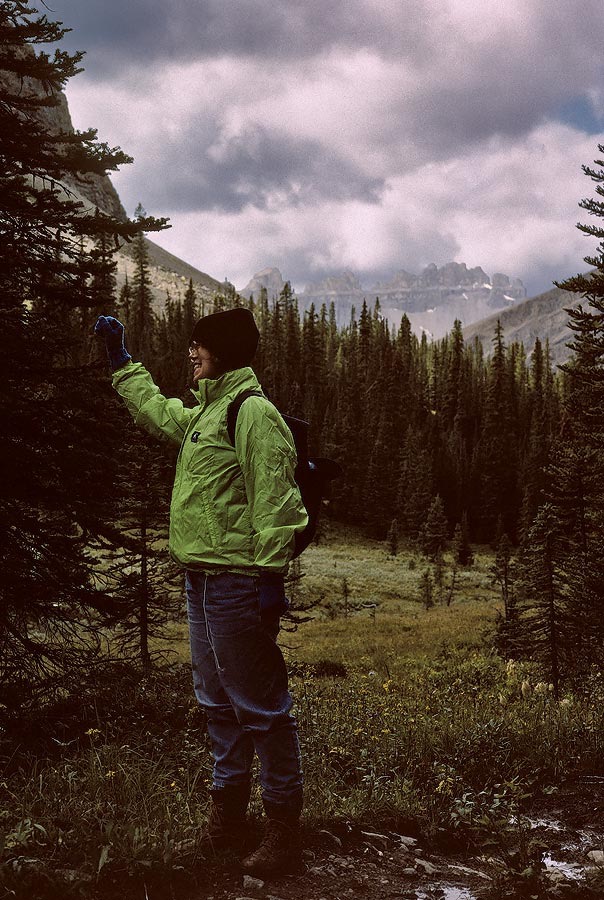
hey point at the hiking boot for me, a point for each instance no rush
(227, 828)
(279, 851)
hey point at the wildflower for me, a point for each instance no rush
(564, 704)
(385, 731)
(541, 688)
(92, 732)
(110, 774)
(386, 685)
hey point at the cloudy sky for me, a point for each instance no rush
(375, 135)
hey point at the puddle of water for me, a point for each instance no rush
(550, 824)
(585, 840)
(447, 892)
(572, 871)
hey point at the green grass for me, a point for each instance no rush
(388, 626)
(429, 730)
(397, 632)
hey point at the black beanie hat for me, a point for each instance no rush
(231, 335)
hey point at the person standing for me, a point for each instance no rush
(234, 515)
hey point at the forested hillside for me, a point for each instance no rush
(410, 421)
(436, 440)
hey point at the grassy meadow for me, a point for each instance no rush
(408, 718)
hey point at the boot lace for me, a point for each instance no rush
(276, 833)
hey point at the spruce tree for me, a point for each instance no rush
(498, 445)
(392, 538)
(58, 444)
(578, 466)
(427, 590)
(415, 490)
(462, 550)
(543, 635)
(141, 324)
(433, 536)
(540, 435)
(502, 572)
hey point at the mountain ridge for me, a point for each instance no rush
(522, 318)
(543, 316)
(432, 300)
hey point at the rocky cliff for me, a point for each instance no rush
(167, 271)
(432, 300)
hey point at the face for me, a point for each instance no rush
(204, 364)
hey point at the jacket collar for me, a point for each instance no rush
(230, 384)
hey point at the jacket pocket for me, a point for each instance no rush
(211, 529)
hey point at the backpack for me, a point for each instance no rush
(312, 474)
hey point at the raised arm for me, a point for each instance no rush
(267, 456)
(161, 416)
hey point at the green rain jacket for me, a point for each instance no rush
(233, 508)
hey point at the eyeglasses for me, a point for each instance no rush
(194, 346)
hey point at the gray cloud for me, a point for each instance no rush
(256, 168)
(281, 138)
(475, 86)
(507, 85)
(119, 34)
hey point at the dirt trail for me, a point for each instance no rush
(568, 825)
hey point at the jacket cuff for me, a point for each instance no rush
(118, 358)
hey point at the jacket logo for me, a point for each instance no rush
(195, 437)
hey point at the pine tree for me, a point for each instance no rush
(543, 634)
(502, 572)
(141, 324)
(433, 536)
(427, 590)
(577, 484)
(498, 445)
(439, 575)
(540, 434)
(392, 538)
(462, 550)
(58, 446)
(143, 582)
(415, 490)
(190, 312)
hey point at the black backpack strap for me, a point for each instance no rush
(233, 411)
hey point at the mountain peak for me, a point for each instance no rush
(269, 278)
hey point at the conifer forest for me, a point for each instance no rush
(436, 439)
(448, 454)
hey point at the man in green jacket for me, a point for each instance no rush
(234, 514)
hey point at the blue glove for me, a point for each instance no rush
(113, 333)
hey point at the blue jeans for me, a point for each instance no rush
(240, 679)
